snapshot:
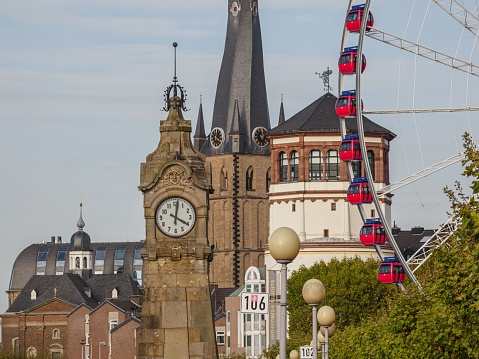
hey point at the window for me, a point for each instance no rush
(249, 179)
(85, 263)
(56, 355)
(332, 165)
(356, 168)
(333, 206)
(315, 165)
(371, 163)
(283, 167)
(268, 179)
(60, 263)
(223, 180)
(326, 233)
(56, 334)
(16, 345)
(42, 261)
(294, 167)
(220, 337)
(119, 259)
(100, 260)
(138, 265)
(113, 323)
(373, 213)
(293, 207)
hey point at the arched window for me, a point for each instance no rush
(357, 168)
(268, 179)
(294, 166)
(249, 179)
(56, 334)
(77, 263)
(223, 180)
(84, 262)
(315, 165)
(332, 165)
(283, 167)
(371, 163)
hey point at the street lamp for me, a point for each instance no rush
(313, 295)
(284, 247)
(99, 348)
(326, 318)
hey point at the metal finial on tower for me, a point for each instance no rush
(175, 87)
(325, 77)
(80, 223)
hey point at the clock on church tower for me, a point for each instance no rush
(175, 182)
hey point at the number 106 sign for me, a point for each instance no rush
(256, 303)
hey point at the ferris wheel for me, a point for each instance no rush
(420, 82)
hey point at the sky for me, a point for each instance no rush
(81, 92)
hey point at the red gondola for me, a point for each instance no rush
(358, 191)
(354, 18)
(349, 149)
(346, 104)
(372, 232)
(391, 271)
(347, 61)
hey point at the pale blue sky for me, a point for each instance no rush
(81, 88)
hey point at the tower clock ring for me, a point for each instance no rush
(259, 136)
(175, 216)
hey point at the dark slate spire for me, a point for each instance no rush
(235, 132)
(281, 112)
(200, 136)
(241, 77)
(80, 241)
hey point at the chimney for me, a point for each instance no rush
(52, 239)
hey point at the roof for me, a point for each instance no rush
(73, 289)
(320, 116)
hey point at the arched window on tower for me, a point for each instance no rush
(249, 179)
(332, 165)
(315, 165)
(223, 180)
(77, 263)
(357, 168)
(294, 166)
(84, 262)
(371, 163)
(283, 167)
(268, 179)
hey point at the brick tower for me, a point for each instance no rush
(177, 319)
(237, 150)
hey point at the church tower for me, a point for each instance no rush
(177, 319)
(238, 151)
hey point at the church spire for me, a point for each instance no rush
(200, 136)
(281, 112)
(241, 79)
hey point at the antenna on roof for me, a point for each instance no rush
(325, 77)
(175, 87)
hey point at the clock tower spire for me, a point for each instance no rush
(177, 320)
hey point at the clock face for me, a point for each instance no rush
(259, 136)
(217, 136)
(175, 216)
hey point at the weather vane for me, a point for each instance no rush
(325, 77)
(175, 87)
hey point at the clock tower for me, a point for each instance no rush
(177, 319)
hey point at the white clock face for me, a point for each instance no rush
(175, 216)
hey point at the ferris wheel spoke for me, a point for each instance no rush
(418, 110)
(461, 14)
(421, 174)
(415, 48)
(439, 238)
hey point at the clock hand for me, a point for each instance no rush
(184, 222)
(176, 211)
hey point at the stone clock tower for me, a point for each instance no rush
(177, 319)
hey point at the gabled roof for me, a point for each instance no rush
(125, 322)
(320, 116)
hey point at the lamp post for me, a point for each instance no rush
(313, 294)
(326, 318)
(99, 348)
(284, 247)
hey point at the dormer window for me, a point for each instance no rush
(114, 293)
(33, 295)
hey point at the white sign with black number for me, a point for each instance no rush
(256, 303)
(306, 352)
